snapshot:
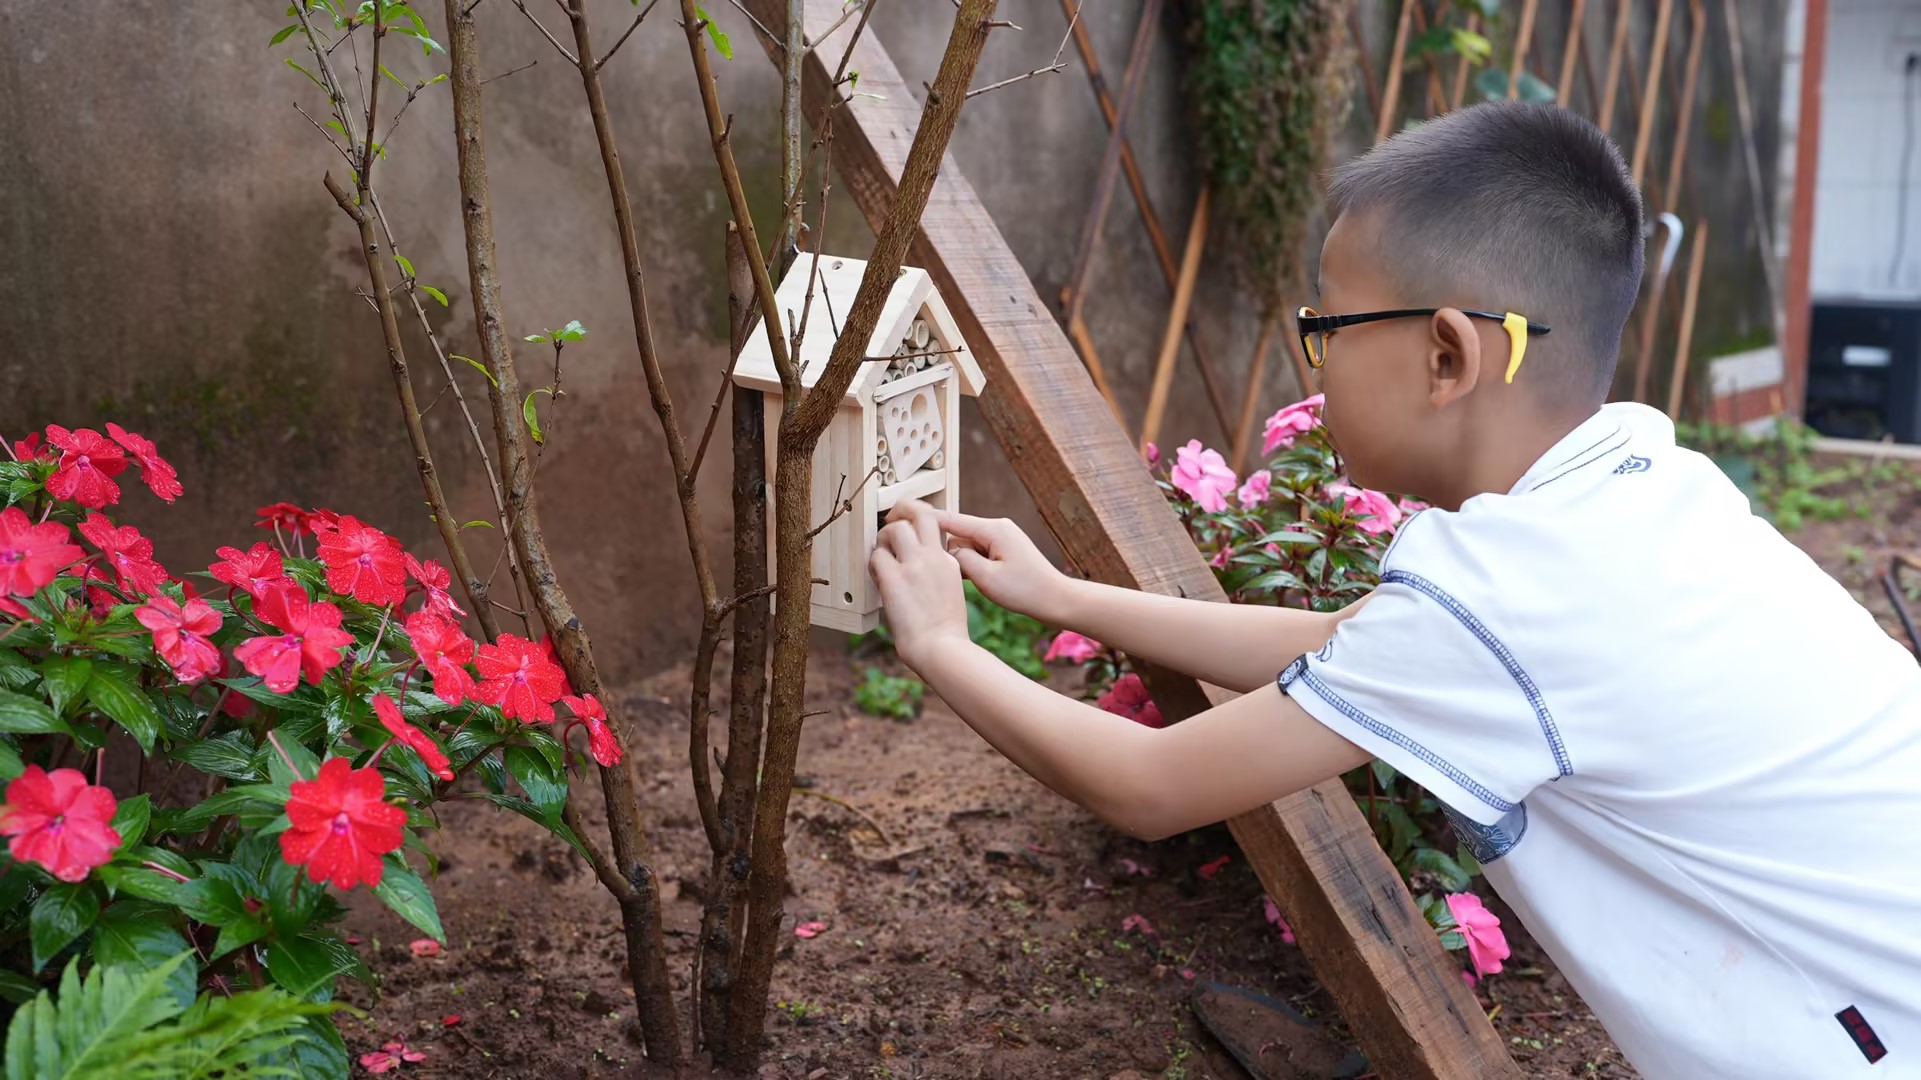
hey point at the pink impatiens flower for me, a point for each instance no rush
(60, 821)
(1152, 453)
(1128, 697)
(1486, 944)
(1410, 507)
(159, 475)
(437, 579)
(1255, 491)
(128, 552)
(390, 1056)
(1203, 474)
(180, 635)
(446, 651)
(1071, 647)
(517, 676)
(364, 563)
(254, 571)
(32, 555)
(1376, 512)
(88, 463)
(311, 643)
(809, 929)
(1273, 914)
(1221, 557)
(1284, 425)
(412, 737)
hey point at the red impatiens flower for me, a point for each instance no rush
(517, 676)
(154, 469)
(553, 657)
(100, 598)
(311, 643)
(437, 579)
(180, 635)
(293, 519)
(1128, 697)
(364, 563)
(29, 448)
(88, 463)
(341, 825)
(390, 1056)
(128, 552)
(60, 821)
(446, 651)
(32, 555)
(412, 737)
(255, 571)
(10, 606)
(600, 737)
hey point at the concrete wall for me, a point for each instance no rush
(172, 262)
(1867, 221)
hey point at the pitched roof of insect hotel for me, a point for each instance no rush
(914, 321)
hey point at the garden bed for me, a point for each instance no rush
(981, 937)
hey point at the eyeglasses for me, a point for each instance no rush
(1315, 328)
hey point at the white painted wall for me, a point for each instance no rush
(1857, 200)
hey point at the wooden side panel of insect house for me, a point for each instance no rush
(897, 432)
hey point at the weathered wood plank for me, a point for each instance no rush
(1369, 945)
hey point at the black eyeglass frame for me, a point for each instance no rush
(1325, 325)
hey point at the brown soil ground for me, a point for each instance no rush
(980, 936)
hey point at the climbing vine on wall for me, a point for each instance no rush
(1264, 96)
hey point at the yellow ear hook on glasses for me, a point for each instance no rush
(1517, 342)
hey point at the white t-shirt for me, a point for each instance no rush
(1686, 757)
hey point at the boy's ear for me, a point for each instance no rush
(1453, 357)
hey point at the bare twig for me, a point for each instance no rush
(850, 808)
(604, 870)
(509, 71)
(602, 62)
(531, 17)
(328, 135)
(1057, 65)
(847, 505)
(766, 33)
(842, 21)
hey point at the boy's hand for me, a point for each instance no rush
(920, 583)
(1004, 564)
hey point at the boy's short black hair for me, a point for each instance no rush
(1511, 206)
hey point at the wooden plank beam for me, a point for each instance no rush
(1399, 992)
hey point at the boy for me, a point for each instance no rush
(1686, 757)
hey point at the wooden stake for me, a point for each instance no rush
(1697, 11)
(1436, 95)
(1460, 72)
(1604, 118)
(1521, 40)
(1072, 294)
(1360, 58)
(1251, 401)
(1688, 308)
(1391, 97)
(1763, 231)
(1564, 89)
(1171, 341)
(1163, 253)
(1651, 97)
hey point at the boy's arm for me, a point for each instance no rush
(1149, 783)
(1237, 646)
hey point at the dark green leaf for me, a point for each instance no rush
(140, 934)
(15, 988)
(1384, 774)
(127, 706)
(285, 33)
(240, 932)
(127, 874)
(15, 672)
(1446, 871)
(13, 886)
(1454, 939)
(543, 785)
(305, 766)
(130, 819)
(1288, 536)
(304, 967)
(435, 293)
(65, 677)
(10, 763)
(543, 740)
(227, 755)
(1275, 579)
(62, 914)
(23, 715)
(494, 774)
(402, 890)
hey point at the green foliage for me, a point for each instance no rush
(895, 696)
(1778, 473)
(1013, 637)
(125, 1023)
(1263, 98)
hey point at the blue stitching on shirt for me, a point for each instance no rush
(1298, 671)
(1501, 653)
(1582, 465)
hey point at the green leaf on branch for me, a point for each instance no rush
(125, 705)
(533, 421)
(227, 755)
(15, 988)
(397, 82)
(23, 715)
(10, 763)
(406, 267)
(478, 366)
(61, 915)
(140, 935)
(435, 293)
(308, 74)
(65, 677)
(721, 44)
(402, 890)
(573, 331)
(285, 33)
(543, 784)
(1444, 869)
(15, 672)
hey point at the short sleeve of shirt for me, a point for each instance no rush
(1421, 681)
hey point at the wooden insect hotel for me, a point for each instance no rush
(897, 434)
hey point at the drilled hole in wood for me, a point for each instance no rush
(847, 597)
